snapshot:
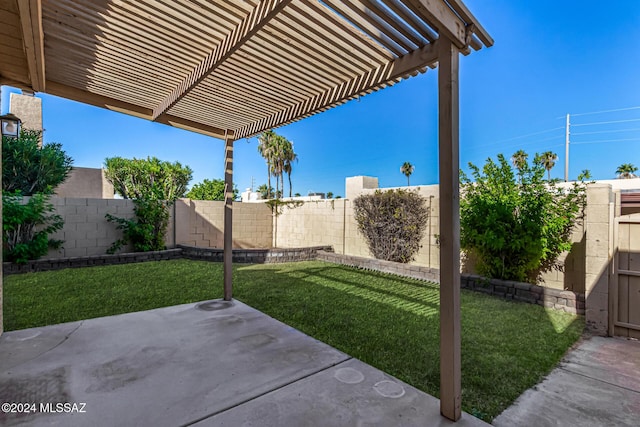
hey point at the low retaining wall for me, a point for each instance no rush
(407, 270)
(88, 261)
(568, 301)
(254, 256)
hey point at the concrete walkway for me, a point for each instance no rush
(597, 384)
(208, 364)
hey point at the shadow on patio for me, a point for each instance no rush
(212, 363)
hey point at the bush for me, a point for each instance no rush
(210, 190)
(29, 168)
(27, 227)
(516, 230)
(146, 232)
(149, 178)
(154, 185)
(393, 223)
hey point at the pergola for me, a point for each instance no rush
(234, 68)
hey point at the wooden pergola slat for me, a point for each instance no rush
(258, 18)
(236, 68)
(371, 80)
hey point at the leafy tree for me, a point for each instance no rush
(517, 230)
(393, 223)
(407, 169)
(548, 161)
(29, 168)
(329, 195)
(210, 190)
(148, 178)
(26, 227)
(626, 171)
(146, 232)
(154, 185)
(297, 195)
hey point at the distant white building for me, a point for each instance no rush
(249, 196)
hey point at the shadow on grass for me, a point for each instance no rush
(392, 324)
(387, 321)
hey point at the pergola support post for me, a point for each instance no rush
(448, 141)
(228, 217)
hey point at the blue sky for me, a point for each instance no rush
(550, 58)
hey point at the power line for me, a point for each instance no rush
(606, 123)
(605, 140)
(601, 112)
(606, 111)
(484, 148)
(605, 131)
(527, 135)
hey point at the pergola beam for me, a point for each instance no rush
(462, 10)
(364, 83)
(447, 22)
(449, 170)
(254, 22)
(79, 95)
(33, 40)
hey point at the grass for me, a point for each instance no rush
(387, 321)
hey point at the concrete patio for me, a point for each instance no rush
(214, 363)
(597, 384)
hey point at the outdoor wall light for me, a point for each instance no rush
(10, 125)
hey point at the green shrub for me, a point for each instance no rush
(29, 168)
(27, 226)
(516, 229)
(210, 190)
(146, 232)
(149, 178)
(393, 223)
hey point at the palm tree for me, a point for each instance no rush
(548, 160)
(266, 148)
(626, 171)
(584, 175)
(277, 164)
(407, 169)
(289, 157)
(519, 159)
(279, 155)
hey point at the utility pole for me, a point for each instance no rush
(566, 151)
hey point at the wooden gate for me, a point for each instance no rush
(625, 290)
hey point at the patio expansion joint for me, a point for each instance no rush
(568, 370)
(317, 371)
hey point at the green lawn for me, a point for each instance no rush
(387, 321)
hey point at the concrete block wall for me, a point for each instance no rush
(86, 230)
(598, 255)
(201, 224)
(332, 222)
(86, 182)
(312, 223)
